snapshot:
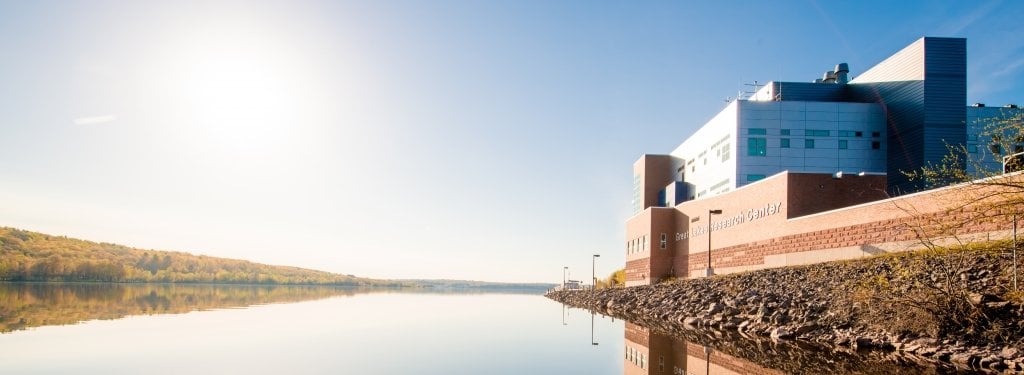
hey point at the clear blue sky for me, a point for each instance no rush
(487, 140)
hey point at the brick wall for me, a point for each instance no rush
(804, 225)
(958, 222)
(637, 271)
(724, 362)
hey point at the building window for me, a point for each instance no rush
(972, 149)
(664, 240)
(846, 133)
(784, 132)
(996, 149)
(754, 177)
(876, 134)
(726, 152)
(637, 204)
(784, 143)
(816, 133)
(808, 143)
(858, 134)
(876, 145)
(756, 147)
(972, 137)
(844, 144)
(757, 131)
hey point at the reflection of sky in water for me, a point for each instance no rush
(363, 334)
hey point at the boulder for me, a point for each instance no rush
(715, 308)
(992, 361)
(781, 333)
(863, 343)
(961, 358)
(1009, 352)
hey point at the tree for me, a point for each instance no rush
(616, 279)
(951, 226)
(980, 164)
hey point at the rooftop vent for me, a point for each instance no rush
(842, 70)
(839, 75)
(1010, 106)
(829, 77)
(978, 105)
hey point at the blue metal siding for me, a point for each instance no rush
(903, 103)
(945, 98)
(810, 92)
(923, 91)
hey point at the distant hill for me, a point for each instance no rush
(31, 256)
(457, 285)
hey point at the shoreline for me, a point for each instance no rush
(908, 303)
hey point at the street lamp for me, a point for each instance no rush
(709, 271)
(593, 275)
(564, 269)
(707, 360)
(1015, 250)
(592, 342)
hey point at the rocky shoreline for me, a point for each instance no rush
(948, 308)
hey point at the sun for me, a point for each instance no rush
(237, 93)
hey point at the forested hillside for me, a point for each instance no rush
(30, 256)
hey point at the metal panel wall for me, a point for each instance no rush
(945, 97)
(809, 91)
(923, 91)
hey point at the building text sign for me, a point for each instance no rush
(744, 216)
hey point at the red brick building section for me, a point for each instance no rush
(802, 218)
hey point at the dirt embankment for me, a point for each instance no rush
(957, 307)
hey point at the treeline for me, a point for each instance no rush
(30, 256)
(615, 280)
(482, 286)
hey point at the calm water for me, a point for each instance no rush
(111, 329)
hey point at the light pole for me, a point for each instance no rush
(1015, 250)
(564, 269)
(710, 270)
(563, 315)
(592, 342)
(593, 275)
(707, 360)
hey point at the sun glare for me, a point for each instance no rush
(238, 94)
(240, 100)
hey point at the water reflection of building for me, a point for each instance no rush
(650, 353)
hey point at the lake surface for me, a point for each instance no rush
(174, 329)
